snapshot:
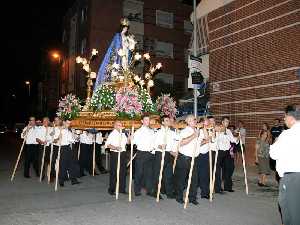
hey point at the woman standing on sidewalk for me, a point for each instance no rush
(262, 149)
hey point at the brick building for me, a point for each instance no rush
(160, 27)
(254, 59)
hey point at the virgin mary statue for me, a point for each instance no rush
(118, 55)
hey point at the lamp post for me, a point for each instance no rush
(28, 84)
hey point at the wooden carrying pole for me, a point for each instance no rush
(43, 157)
(78, 153)
(94, 155)
(214, 174)
(162, 163)
(129, 163)
(50, 163)
(244, 164)
(130, 169)
(190, 177)
(18, 159)
(118, 167)
(210, 174)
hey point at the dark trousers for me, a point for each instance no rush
(54, 157)
(289, 198)
(143, 171)
(167, 184)
(86, 158)
(224, 171)
(31, 157)
(113, 172)
(67, 165)
(182, 170)
(203, 174)
(46, 157)
(99, 158)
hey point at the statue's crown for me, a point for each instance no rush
(125, 22)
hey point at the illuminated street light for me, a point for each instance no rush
(28, 84)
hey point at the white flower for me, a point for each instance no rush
(158, 66)
(121, 78)
(116, 66)
(150, 83)
(94, 51)
(147, 75)
(93, 75)
(86, 67)
(136, 78)
(114, 73)
(121, 52)
(146, 56)
(142, 82)
(137, 56)
(83, 61)
(152, 70)
(78, 59)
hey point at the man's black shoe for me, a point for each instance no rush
(82, 174)
(62, 184)
(138, 194)
(103, 171)
(171, 196)
(75, 181)
(195, 202)
(230, 190)
(124, 192)
(205, 196)
(27, 176)
(220, 192)
(111, 192)
(180, 201)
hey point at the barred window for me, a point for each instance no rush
(164, 19)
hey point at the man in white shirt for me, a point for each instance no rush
(144, 139)
(86, 153)
(116, 142)
(286, 152)
(224, 140)
(29, 133)
(165, 140)
(67, 164)
(188, 148)
(57, 126)
(44, 139)
(99, 144)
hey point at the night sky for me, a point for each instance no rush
(31, 28)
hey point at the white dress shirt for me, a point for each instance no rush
(203, 149)
(165, 137)
(43, 133)
(224, 140)
(86, 138)
(99, 138)
(286, 150)
(190, 148)
(144, 139)
(30, 134)
(117, 139)
(67, 137)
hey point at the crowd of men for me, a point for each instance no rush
(72, 150)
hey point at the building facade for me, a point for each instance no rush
(254, 60)
(160, 27)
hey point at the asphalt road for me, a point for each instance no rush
(29, 202)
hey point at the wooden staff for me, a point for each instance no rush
(78, 153)
(176, 156)
(131, 160)
(18, 159)
(190, 177)
(162, 163)
(244, 164)
(210, 170)
(58, 161)
(94, 156)
(130, 170)
(43, 157)
(51, 155)
(118, 167)
(214, 174)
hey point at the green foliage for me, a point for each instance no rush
(103, 99)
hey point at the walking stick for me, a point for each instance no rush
(162, 162)
(190, 177)
(210, 173)
(130, 170)
(43, 157)
(214, 173)
(118, 167)
(94, 156)
(129, 163)
(244, 164)
(58, 162)
(78, 153)
(19, 156)
(18, 159)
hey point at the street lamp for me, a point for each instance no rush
(28, 84)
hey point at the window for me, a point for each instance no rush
(83, 15)
(133, 10)
(164, 49)
(164, 19)
(188, 27)
(83, 46)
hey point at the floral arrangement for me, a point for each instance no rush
(127, 103)
(69, 107)
(166, 105)
(103, 99)
(148, 105)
